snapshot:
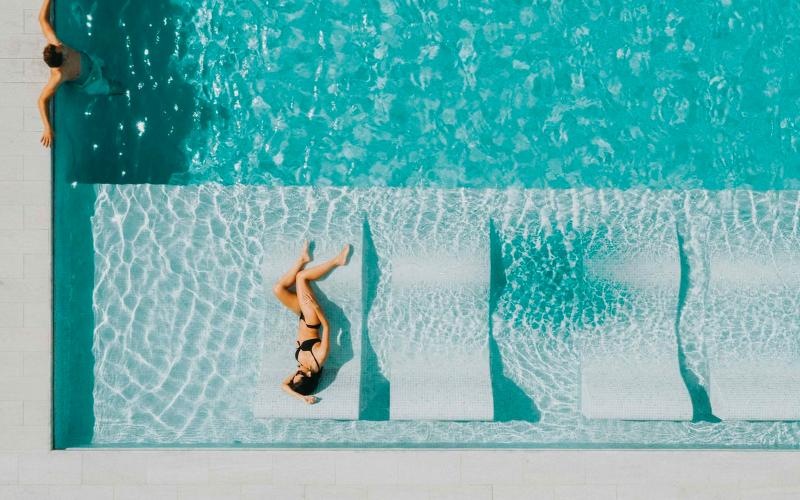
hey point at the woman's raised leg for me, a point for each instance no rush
(317, 272)
(281, 289)
(313, 274)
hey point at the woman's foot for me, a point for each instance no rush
(305, 256)
(344, 255)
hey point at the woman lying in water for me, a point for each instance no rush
(313, 333)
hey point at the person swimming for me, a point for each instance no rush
(68, 65)
(313, 332)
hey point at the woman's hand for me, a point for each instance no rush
(311, 399)
(47, 137)
(53, 40)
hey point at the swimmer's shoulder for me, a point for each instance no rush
(58, 75)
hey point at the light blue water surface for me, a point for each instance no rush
(489, 95)
(180, 322)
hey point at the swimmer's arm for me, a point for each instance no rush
(44, 22)
(44, 108)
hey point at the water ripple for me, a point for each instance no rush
(179, 304)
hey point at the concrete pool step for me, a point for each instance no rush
(340, 296)
(757, 376)
(430, 321)
(444, 373)
(750, 318)
(629, 351)
(616, 389)
(755, 390)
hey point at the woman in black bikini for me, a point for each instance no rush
(313, 339)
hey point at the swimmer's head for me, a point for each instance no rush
(53, 56)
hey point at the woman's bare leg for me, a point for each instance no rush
(315, 273)
(288, 279)
(282, 287)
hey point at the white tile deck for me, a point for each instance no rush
(28, 469)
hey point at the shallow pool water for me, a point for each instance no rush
(553, 137)
(180, 322)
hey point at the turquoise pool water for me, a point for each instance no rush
(444, 93)
(563, 142)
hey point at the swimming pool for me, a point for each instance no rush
(590, 183)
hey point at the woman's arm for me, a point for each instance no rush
(288, 390)
(44, 108)
(44, 22)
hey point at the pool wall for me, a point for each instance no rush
(72, 311)
(72, 264)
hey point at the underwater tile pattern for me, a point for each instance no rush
(537, 333)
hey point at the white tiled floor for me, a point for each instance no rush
(28, 469)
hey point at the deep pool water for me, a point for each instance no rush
(442, 93)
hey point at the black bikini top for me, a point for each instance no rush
(307, 345)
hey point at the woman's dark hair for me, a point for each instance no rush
(52, 57)
(307, 384)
